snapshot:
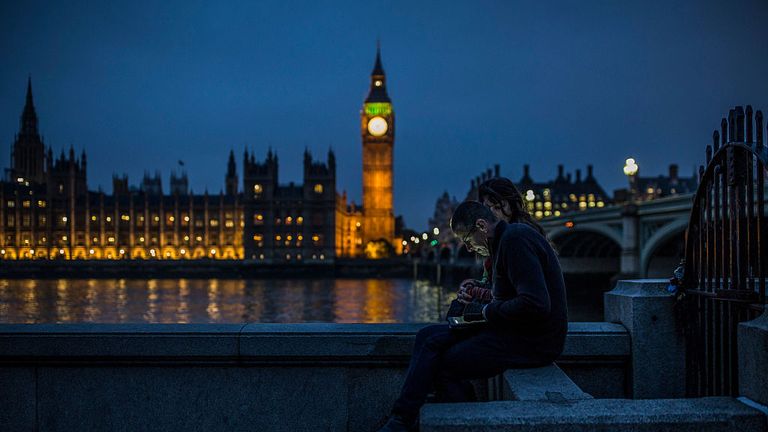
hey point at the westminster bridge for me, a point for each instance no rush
(642, 239)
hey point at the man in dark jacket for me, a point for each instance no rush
(527, 316)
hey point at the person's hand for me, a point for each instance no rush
(463, 293)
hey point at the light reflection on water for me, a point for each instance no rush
(221, 300)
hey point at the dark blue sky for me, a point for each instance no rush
(141, 85)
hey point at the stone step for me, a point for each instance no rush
(547, 383)
(715, 414)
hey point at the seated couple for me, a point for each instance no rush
(522, 300)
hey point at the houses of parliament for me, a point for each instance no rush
(48, 212)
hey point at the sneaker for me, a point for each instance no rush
(396, 424)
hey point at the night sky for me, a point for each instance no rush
(141, 85)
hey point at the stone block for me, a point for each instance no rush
(546, 383)
(617, 415)
(753, 359)
(17, 399)
(645, 308)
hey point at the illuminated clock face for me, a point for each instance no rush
(377, 126)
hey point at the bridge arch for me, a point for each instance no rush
(661, 240)
(595, 228)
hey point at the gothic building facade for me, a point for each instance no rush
(47, 211)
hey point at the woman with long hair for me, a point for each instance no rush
(501, 196)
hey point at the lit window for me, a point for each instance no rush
(11, 204)
(600, 204)
(214, 222)
(186, 238)
(26, 203)
(199, 238)
(582, 205)
(93, 218)
(157, 218)
(300, 237)
(539, 214)
(257, 189)
(258, 237)
(278, 237)
(141, 239)
(299, 220)
(318, 188)
(125, 217)
(315, 238)
(111, 239)
(529, 195)
(288, 220)
(109, 219)
(229, 223)
(289, 238)
(63, 238)
(41, 204)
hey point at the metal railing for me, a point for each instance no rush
(725, 253)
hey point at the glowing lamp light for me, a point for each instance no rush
(31, 251)
(183, 251)
(569, 224)
(529, 195)
(424, 236)
(122, 251)
(61, 251)
(436, 231)
(405, 242)
(91, 251)
(2, 251)
(416, 241)
(20, 179)
(213, 251)
(630, 167)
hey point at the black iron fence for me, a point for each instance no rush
(725, 253)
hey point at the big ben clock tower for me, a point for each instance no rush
(377, 126)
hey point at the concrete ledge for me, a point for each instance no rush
(257, 342)
(547, 383)
(699, 415)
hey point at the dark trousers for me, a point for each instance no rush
(444, 359)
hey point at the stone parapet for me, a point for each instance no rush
(717, 414)
(277, 377)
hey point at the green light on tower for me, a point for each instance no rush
(378, 109)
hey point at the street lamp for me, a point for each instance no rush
(630, 170)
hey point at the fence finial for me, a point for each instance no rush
(749, 125)
(701, 172)
(709, 153)
(731, 125)
(716, 140)
(759, 129)
(739, 124)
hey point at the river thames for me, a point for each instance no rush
(238, 301)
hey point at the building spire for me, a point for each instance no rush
(29, 116)
(378, 91)
(378, 69)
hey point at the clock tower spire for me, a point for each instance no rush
(377, 128)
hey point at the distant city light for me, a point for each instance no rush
(436, 231)
(529, 195)
(405, 242)
(424, 236)
(416, 241)
(569, 224)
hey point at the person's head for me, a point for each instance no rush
(473, 224)
(501, 196)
